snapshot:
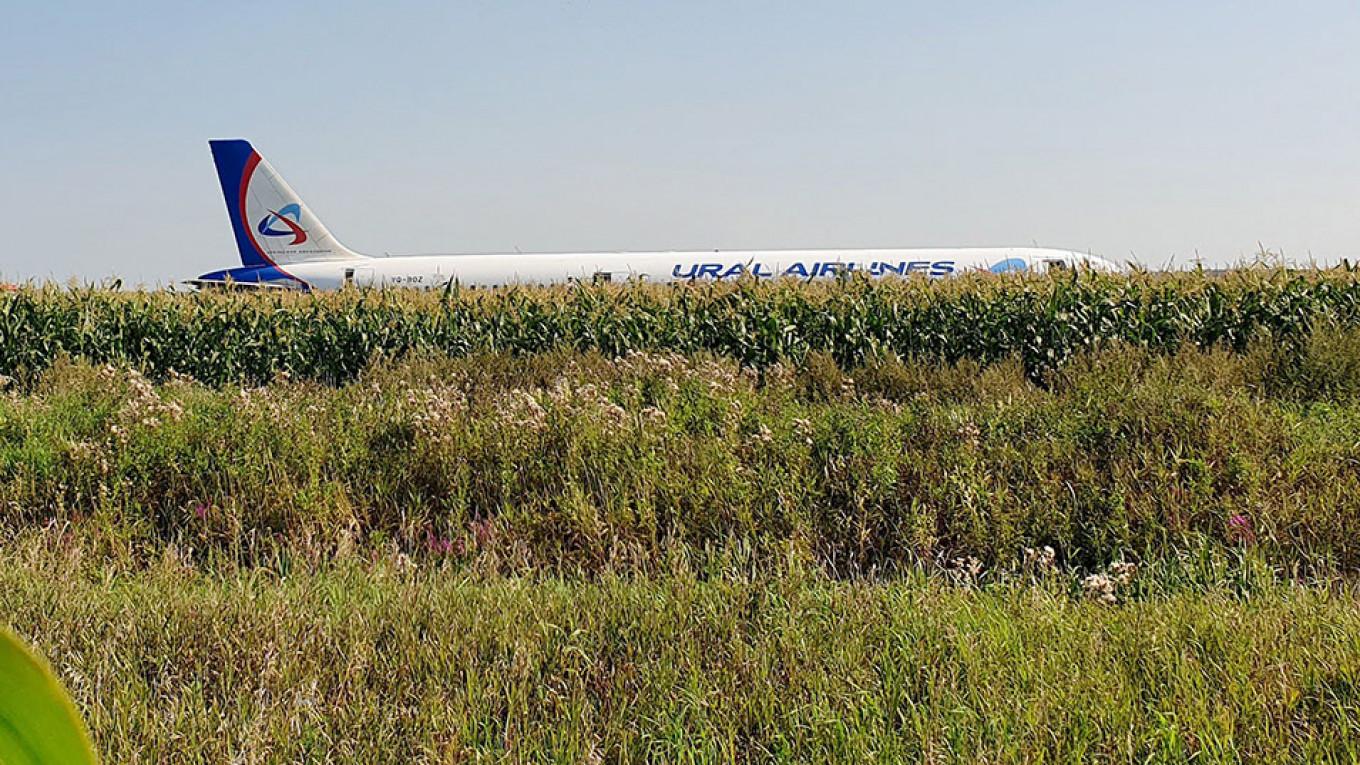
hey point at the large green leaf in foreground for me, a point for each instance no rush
(38, 722)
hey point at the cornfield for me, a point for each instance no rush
(219, 338)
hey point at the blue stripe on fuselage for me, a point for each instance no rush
(265, 275)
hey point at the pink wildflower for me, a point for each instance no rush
(437, 544)
(1240, 530)
(482, 531)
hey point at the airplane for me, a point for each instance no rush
(284, 245)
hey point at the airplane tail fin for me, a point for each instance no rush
(273, 226)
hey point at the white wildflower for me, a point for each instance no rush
(966, 569)
(1100, 588)
(653, 415)
(1040, 558)
(763, 434)
(1123, 572)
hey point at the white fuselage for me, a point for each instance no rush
(282, 243)
(437, 271)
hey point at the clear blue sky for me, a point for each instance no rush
(1157, 129)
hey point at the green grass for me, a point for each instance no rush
(394, 660)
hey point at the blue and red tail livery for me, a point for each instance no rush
(273, 228)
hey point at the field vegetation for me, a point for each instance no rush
(223, 338)
(392, 661)
(1091, 519)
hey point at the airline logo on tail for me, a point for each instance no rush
(288, 215)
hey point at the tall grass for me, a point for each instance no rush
(390, 662)
(583, 464)
(1040, 321)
